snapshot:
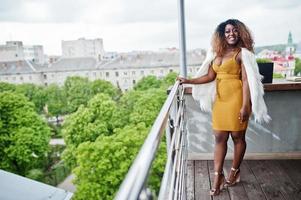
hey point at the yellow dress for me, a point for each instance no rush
(229, 96)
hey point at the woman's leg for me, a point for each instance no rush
(240, 146)
(220, 151)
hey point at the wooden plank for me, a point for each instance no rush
(249, 156)
(250, 182)
(285, 184)
(293, 170)
(202, 185)
(266, 178)
(236, 192)
(190, 180)
(224, 195)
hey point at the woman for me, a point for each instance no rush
(229, 79)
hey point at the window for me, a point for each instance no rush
(125, 73)
(94, 73)
(21, 78)
(45, 76)
(107, 74)
(142, 72)
(170, 70)
(133, 72)
(134, 81)
(152, 71)
(116, 74)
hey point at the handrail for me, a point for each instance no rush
(174, 180)
(134, 182)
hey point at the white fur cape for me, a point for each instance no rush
(205, 93)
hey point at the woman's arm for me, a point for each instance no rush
(210, 76)
(246, 99)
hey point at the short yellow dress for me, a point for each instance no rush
(229, 97)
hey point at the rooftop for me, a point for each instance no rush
(15, 187)
(17, 67)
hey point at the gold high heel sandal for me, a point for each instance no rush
(236, 177)
(216, 191)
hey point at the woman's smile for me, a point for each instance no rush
(231, 34)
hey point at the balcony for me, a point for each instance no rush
(271, 168)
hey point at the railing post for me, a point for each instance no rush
(169, 132)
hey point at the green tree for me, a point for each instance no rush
(87, 123)
(103, 164)
(263, 60)
(24, 136)
(7, 87)
(147, 82)
(169, 79)
(126, 104)
(297, 67)
(101, 159)
(102, 86)
(78, 91)
(147, 107)
(56, 100)
(34, 93)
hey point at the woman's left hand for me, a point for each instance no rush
(182, 80)
(244, 114)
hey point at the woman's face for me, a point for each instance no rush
(231, 34)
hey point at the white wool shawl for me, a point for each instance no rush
(205, 93)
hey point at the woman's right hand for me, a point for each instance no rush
(182, 80)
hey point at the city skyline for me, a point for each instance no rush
(127, 26)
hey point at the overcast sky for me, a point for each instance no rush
(127, 25)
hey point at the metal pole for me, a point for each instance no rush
(182, 37)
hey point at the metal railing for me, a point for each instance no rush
(171, 119)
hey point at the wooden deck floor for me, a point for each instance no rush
(260, 179)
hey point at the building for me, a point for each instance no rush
(284, 66)
(11, 51)
(83, 48)
(284, 62)
(123, 71)
(298, 51)
(35, 53)
(268, 54)
(16, 51)
(290, 48)
(18, 72)
(110, 56)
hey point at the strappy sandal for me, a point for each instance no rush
(236, 178)
(216, 191)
